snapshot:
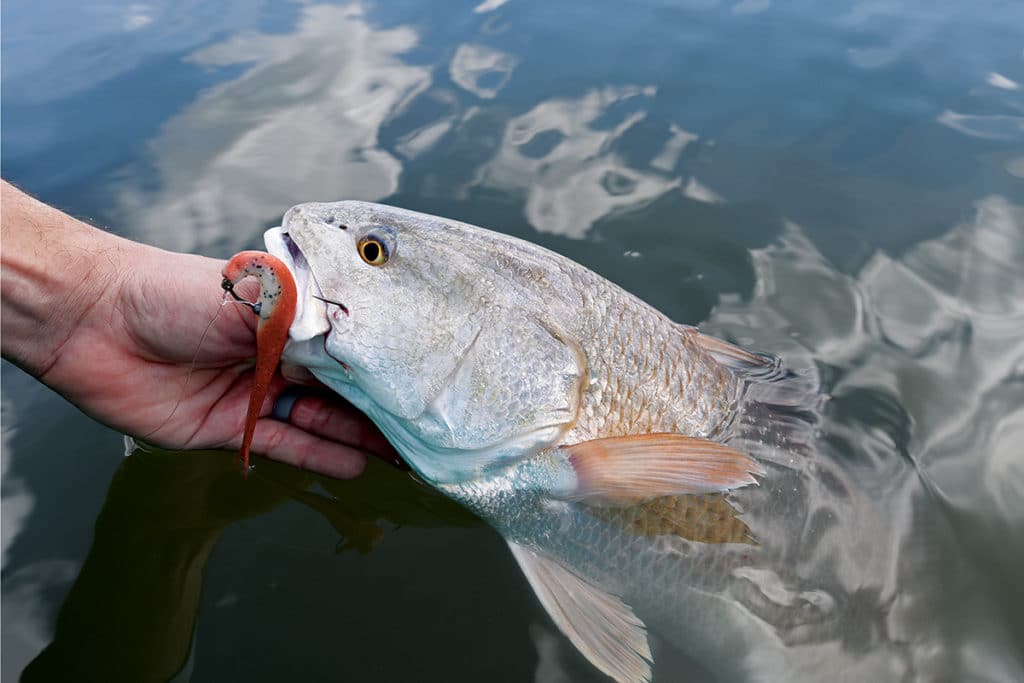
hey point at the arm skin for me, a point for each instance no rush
(113, 326)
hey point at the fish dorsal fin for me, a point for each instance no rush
(732, 356)
(628, 469)
(602, 627)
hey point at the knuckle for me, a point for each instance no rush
(312, 415)
(274, 440)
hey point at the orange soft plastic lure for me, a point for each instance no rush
(276, 309)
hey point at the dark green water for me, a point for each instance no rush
(841, 183)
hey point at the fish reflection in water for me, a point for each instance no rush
(164, 514)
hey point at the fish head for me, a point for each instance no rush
(381, 298)
(437, 330)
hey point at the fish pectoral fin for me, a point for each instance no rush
(602, 627)
(623, 470)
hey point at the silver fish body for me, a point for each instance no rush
(483, 358)
(788, 600)
(483, 342)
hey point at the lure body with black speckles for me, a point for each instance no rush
(276, 310)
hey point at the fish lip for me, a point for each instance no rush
(302, 265)
(280, 244)
(308, 322)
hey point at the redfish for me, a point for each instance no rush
(644, 474)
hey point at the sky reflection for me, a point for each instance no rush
(562, 155)
(300, 124)
(482, 70)
(933, 340)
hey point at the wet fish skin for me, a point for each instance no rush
(485, 359)
(564, 347)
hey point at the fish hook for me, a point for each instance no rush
(343, 307)
(228, 287)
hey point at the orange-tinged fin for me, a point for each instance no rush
(604, 628)
(732, 356)
(277, 302)
(628, 469)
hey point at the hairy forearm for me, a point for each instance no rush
(54, 271)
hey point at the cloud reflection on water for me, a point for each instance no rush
(930, 346)
(939, 328)
(28, 611)
(17, 500)
(987, 126)
(488, 6)
(997, 80)
(75, 46)
(564, 160)
(300, 124)
(304, 120)
(24, 631)
(481, 70)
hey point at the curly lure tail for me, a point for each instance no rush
(276, 309)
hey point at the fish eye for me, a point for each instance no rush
(373, 251)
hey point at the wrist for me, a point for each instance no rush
(56, 271)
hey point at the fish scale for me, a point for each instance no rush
(647, 375)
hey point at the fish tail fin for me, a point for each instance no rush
(780, 408)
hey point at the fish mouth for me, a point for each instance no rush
(307, 345)
(311, 319)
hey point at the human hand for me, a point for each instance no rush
(120, 338)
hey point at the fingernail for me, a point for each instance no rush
(297, 374)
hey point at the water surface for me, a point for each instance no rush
(841, 183)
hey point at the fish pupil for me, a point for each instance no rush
(371, 251)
